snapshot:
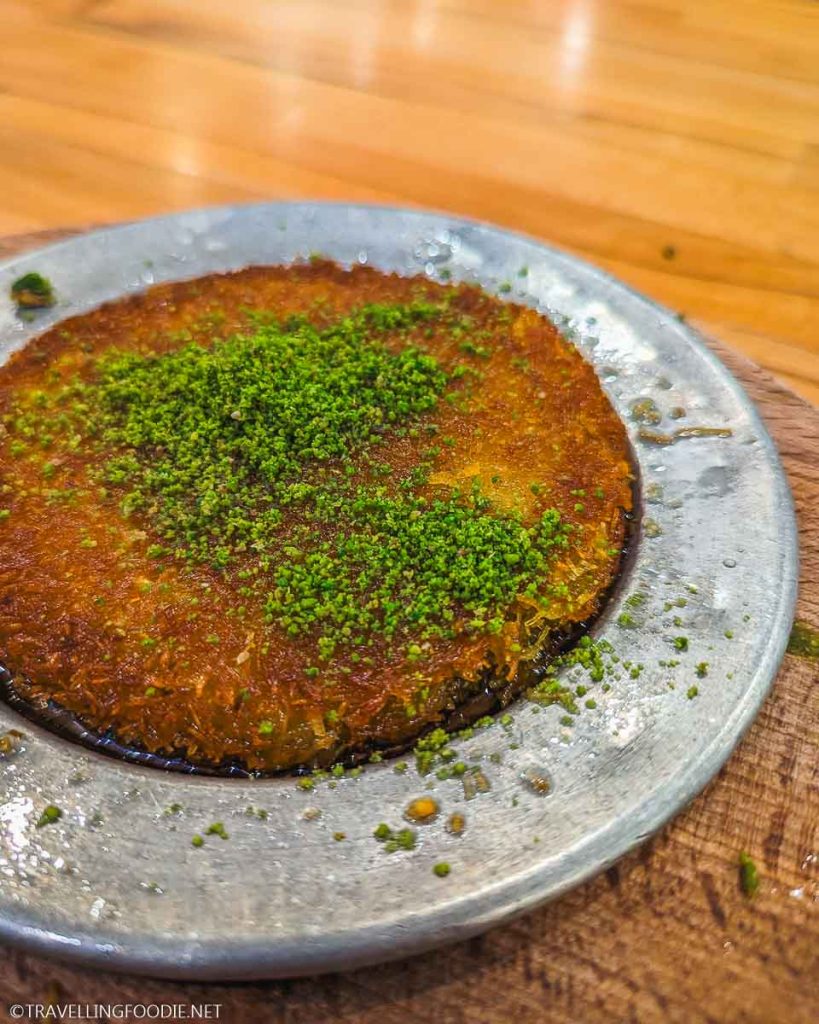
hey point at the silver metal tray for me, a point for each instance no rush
(117, 882)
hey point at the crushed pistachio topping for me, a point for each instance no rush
(50, 814)
(32, 291)
(748, 874)
(395, 840)
(211, 443)
(804, 641)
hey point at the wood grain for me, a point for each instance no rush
(614, 128)
(664, 936)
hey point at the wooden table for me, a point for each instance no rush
(676, 144)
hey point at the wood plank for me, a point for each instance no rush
(615, 129)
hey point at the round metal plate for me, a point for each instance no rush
(117, 882)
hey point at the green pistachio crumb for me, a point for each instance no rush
(804, 641)
(32, 291)
(748, 874)
(50, 814)
(402, 839)
(212, 441)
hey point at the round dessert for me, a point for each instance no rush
(295, 514)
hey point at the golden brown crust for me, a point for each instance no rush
(73, 617)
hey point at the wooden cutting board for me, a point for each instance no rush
(666, 935)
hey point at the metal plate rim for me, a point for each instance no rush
(255, 957)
